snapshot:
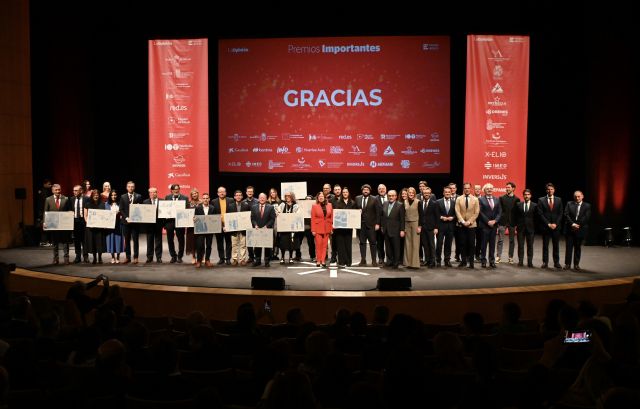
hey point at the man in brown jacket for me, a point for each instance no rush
(467, 210)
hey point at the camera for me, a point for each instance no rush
(579, 336)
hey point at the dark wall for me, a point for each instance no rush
(89, 77)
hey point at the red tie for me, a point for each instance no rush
(551, 203)
(58, 203)
(261, 210)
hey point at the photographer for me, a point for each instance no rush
(84, 303)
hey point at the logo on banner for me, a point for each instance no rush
(238, 150)
(497, 89)
(491, 125)
(282, 150)
(321, 163)
(435, 137)
(497, 102)
(345, 137)
(373, 150)
(365, 137)
(497, 71)
(274, 164)
(336, 150)
(388, 151)
(409, 151)
(405, 163)
(355, 150)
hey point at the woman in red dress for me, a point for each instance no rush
(321, 227)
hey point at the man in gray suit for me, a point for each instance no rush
(58, 203)
(392, 227)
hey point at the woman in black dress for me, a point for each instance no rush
(343, 236)
(93, 237)
(288, 241)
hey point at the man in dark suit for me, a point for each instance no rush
(380, 241)
(204, 240)
(459, 231)
(550, 213)
(170, 226)
(263, 215)
(446, 227)
(130, 230)
(334, 199)
(428, 221)
(369, 223)
(58, 203)
(576, 216)
(154, 230)
(221, 205)
(78, 202)
(490, 214)
(393, 228)
(250, 200)
(524, 220)
(508, 202)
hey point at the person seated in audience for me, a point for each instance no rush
(23, 322)
(136, 339)
(194, 319)
(205, 354)
(510, 322)
(550, 324)
(483, 353)
(449, 352)
(588, 311)
(113, 374)
(85, 304)
(289, 389)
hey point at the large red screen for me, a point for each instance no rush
(349, 104)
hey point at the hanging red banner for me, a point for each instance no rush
(178, 115)
(495, 149)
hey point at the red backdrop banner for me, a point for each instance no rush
(178, 115)
(350, 104)
(495, 149)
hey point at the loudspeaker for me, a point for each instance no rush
(21, 193)
(394, 284)
(267, 283)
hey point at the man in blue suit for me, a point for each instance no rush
(490, 213)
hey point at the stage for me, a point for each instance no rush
(437, 295)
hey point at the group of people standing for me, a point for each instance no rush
(413, 228)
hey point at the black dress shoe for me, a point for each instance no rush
(250, 261)
(227, 262)
(221, 262)
(470, 266)
(438, 264)
(520, 264)
(576, 268)
(76, 260)
(544, 265)
(567, 267)
(173, 260)
(149, 260)
(493, 265)
(159, 261)
(484, 265)
(324, 266)
(362, 263)
(557, 265)
(255, 264)
(462, 265)
(267, 264)
(179, 259)
(448, 264)
(530, 265)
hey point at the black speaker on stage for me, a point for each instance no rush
(394, 284)
(20, 193)
(267, 283)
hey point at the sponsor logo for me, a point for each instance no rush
(503, 112)
(373, 149)
(365, 137)
(497, 102)
(355, 150)
(262, 150)
(409, 151)
(430, 165)
(300, 149)
(345, 137)
(355, 164)
(177, 147)
(321, 163)
(388, 151)
(275, 164)
(173, 175)
(301, 164)
(375, 164)
(195, 42)
(335, 165)
(282, 150)
(177, 97)
(336, 149)
(495, 154)
(238, 150)
(177, 135)
(313, 137)
(234, 164)
(489, 165)
(430, 46)
(435, 136)
(497, 89)
(179, 121)
(287, 136)
(162, 43)
(494, 125)
(497, 56)
(497, 71)
(388, 137)
(405, 163)
(183, 74)
(250, 164)
(435, 151)
(495, 177)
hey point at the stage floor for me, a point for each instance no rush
(598, 263)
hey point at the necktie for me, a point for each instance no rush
(389, 209)
(526, 207)
(578, 211)
(466, 202)
(364, 203)
(446, 205)
(424, 205)
(77, 207)
(551, 203)
(57, 203)
(261, 210)
(491, 202)
(130, 198)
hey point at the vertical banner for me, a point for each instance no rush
(178, 115)
(495, 148)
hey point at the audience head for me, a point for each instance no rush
(295, 316)
(511, 313)
(291, 390)
(473, 323)
(381, 314)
